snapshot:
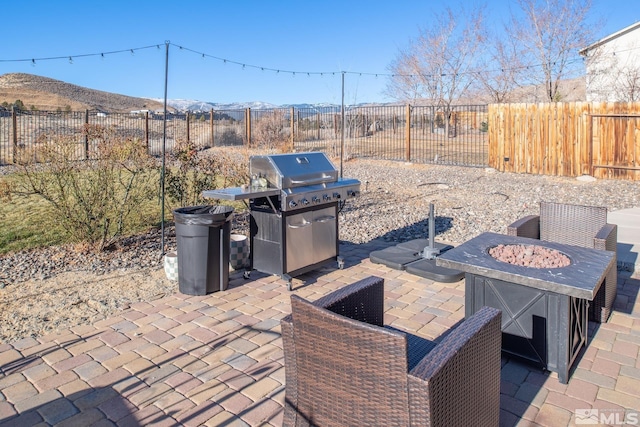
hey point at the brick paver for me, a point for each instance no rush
(217, 359)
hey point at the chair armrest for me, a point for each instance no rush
(607, 238)
(528, 226)
(458, 382)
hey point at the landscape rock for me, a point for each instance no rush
(45, 290)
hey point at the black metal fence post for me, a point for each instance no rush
(86, 134)
(14, 121)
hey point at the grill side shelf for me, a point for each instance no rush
(239, 193)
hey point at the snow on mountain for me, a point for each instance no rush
(202, 106)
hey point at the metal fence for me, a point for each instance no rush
(426, 134)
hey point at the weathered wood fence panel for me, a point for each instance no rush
(566, 139)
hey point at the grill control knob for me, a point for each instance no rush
(326, 197)
(315, 199)
(292, 204)
(304, 202)
(351, 193)
(336, 195)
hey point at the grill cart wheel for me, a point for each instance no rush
(289, 281)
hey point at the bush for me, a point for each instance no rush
(99, 200)
(270, 131)
(230, 137)
(193, 171)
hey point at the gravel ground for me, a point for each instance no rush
(46, 290)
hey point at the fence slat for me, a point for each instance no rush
(566, 139)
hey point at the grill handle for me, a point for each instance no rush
(323, 178)
(301, 225)
(326, 218)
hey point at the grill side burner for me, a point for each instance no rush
(294, 219)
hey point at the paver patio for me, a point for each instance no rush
(217, 360)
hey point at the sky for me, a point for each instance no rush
(273, 51)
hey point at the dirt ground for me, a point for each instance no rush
(41, 306)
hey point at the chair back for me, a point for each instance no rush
(348, 370)
(571, 224)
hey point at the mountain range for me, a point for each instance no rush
(203, 106)
(46, 94)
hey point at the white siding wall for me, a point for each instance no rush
(613, 69)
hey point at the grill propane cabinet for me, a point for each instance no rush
(294, 201)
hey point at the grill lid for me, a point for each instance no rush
(294, 170)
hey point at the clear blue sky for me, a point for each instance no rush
(361, 36)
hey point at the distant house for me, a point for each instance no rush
(139, 112)
(613, 67)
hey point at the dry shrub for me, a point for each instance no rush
(230, 137)
(192, 171)
(96, 200)
(271, 131)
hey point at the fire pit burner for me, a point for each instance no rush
(533, 256)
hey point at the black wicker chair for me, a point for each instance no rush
(584, 226)
(344, 368)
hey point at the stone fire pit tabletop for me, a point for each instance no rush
(581, 278)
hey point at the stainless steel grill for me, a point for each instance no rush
(294, 203)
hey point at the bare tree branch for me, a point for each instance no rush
(440, 64)
(551, 34)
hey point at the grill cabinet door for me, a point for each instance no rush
(299, 237)
(311, 237)
(324, 234)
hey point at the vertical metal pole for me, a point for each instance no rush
(292, 124)
(86, 134)
(432, 227)
(247, 125)
(407, 134)
(342, 132)
(213, 140)
(164, 140)
(146, 132)
(14, 135)
(188, 127)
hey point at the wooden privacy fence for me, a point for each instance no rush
(566, 139)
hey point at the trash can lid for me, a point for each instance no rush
(203, 215)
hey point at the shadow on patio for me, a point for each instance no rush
(218, 359)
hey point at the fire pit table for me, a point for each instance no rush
(544, 310)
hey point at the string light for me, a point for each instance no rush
(70, 58)
(102, 55)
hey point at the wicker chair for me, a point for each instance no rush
(343, 368)
(577, 225)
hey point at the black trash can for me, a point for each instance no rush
(203, 240)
